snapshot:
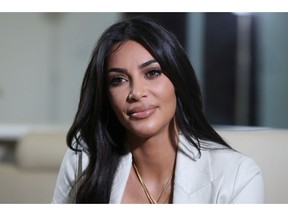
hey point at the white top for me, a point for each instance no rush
(219, 176)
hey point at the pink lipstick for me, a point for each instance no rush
(141, 112)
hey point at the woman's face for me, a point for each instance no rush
(142, 97)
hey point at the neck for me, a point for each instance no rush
(154, 156)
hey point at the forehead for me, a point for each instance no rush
(130, 51)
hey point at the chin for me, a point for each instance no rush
(146, 132)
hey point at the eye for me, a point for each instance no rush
(117, 80)
(153, 73)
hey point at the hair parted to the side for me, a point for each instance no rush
(96, 128)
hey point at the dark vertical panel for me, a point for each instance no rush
(219, 66)
(220, 61)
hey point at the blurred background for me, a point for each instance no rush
(240, 60)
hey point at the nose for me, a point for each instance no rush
(137, 90)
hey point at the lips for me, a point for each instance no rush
(141, 112)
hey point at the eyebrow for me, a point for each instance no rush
(145, 64)
(123, 70)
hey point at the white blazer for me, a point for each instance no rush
(218, 176)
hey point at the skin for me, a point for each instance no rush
(144, 101)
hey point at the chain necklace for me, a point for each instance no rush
(147, 193)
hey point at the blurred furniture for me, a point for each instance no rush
(31, 176)
(268, 147)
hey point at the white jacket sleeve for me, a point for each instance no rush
(64, 190)
(248, 183)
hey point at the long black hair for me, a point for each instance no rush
(96, 127)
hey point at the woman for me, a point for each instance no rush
(140, 135)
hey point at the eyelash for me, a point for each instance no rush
(118, 80)
(155, 73)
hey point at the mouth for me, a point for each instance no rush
(141, 112)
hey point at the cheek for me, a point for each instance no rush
(117, 100)
(166, 91)
(171, 103)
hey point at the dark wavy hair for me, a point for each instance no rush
(95, 123)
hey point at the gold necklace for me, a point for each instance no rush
(147, 193)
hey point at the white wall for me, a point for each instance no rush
(43, 57)
(24, 68)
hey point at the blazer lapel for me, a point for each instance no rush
(121, 178)
(192, 175)
(193, 181)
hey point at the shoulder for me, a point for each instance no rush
(229, 162)
(215, 154)
(73, 163)
(235, 176)
(216, 158)
(240, 175)
(221, 159)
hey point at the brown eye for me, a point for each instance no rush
(117, 81)
(153, 73)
